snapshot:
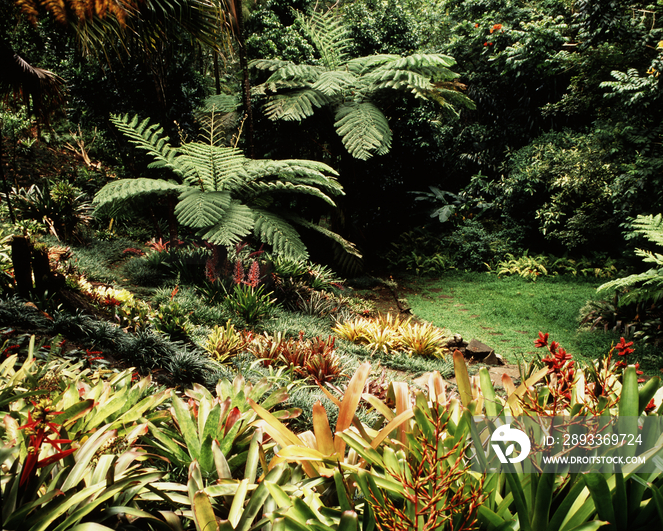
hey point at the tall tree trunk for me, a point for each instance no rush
(5, 185)
(21, 254)
(246, 84)
(217, 76)
(172, 221)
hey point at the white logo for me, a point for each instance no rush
(507, 434)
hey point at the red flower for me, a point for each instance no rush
(623, 347)
(37, 432)
(253, 278)
(476, 25)
(542, 341)
(650, 407)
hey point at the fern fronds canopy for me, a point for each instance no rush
(647, 286)
(223, 195)
(351, 87)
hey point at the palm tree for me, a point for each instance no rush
(353, 88)
(40, 90)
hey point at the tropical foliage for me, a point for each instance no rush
(223, 195)
(351, 87)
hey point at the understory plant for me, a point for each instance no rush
(308, 358)
(638, 296)
(388, 333)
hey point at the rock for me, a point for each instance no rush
(478, 351)
(457, 343)
(493, 359)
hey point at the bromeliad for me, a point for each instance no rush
(39, 428)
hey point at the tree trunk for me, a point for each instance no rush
(217, 76)
(246, 84)
(172, 221)
(22, 265)
(5, 185)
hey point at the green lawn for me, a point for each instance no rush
(508, 313)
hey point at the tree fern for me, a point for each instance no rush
(224, 196)
(295, 106)
(647, 286)
(282, 236)
(212, 168)
(363, 129)
(149, 138)
(124, 189)
(195, 208)
(236, 224)
(351, 87)
(329, 36)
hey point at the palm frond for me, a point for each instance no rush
(363, 129)
(150, 138)
(294, 106)
(26, 81)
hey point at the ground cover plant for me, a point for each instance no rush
(506, 312)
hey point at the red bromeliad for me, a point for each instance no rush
(39, 428)
(561, 367)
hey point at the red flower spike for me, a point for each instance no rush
(542, 341)
(651, 406)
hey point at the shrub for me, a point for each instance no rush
(250, 303)
(225, 342)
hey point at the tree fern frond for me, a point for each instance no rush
(282, 236)
(418, 84)
(124, 189)
(335, 82)
(363, 129)
(296, 171)
(649, 257)
(198, 209)
(213, 168)
(329, 35)
(294, 106)
(269, 64)
(347, 246)
(651, 226)
(363, 65)
(257, 188)
(222, 103)
(302, 75)
(420, 62)
(150, 138)
(236, 224)
(450, 99)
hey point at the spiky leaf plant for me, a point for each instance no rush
(224, 195)
(351, 87)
